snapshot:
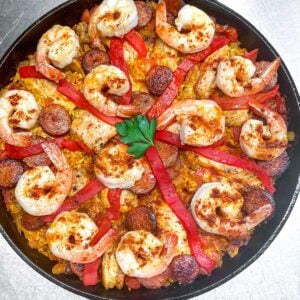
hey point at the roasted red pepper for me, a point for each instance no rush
(236, 131)
(22, 152)
(69, 90)
(136, 42)
(104, 224)
(30, 72)
(166, 99)
(171, 197)
(252, 55)
(116, 54)
(90, 272)
(219, 156)
(229, 103)
(87, 192)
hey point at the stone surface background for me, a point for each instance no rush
(275, 275)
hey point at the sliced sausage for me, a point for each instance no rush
(41, 159)
(55, 120)
(142, 101)
(184, 268)
(155, 282)
(260, 68)
(10, 172)
(146, 183)
(94, 58)
(30, 222)
(144, 14)
(141, 218)
(277, 166)
(174, 170)
(174, 6)
(7, 198)
(157, 79)
(256, 198)
(132, 282)
(167, 153)
(77, 269)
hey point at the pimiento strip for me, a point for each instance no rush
(229, 103)
(69, 90)
(87, 192)
(116, 54)
(171, 197)
(165, 100)
(136, 42)
(90, 272)
(30, 72)
(252, 55)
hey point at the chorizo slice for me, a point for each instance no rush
(277, 166)
(184, 268)
(144, 14)
(155, 282)
(167, 153)
(174, 170)
(55, 120)
(10, 173)
(77, 269)
(260, 68)
(141, 218)
(157, 79)
(174, 6)
(142, 101)
(94, 58)
(41, 159)
(30, 222)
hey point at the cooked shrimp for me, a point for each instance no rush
(59, 45)
(141, 254)
(39, 191)
(115, 168)
(70, 235)
(216, 207)
(103, 82)
(202, 122)
(235, 76)
(112, 18)
(200, 27)
(18, 108)
(260, 141)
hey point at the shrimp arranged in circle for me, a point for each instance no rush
(19, 109)
(70, 234)
(39, 191)
(235, 76)
(141, 254)
(202, 122)
(103, 82)
(112, 18)
(264, 142)
(198, 26)
(217, 208)
(115, 168)
(59, 45)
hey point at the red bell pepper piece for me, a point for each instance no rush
(132, 282)
(22, 152)
(87, 192)
(170, 93)
(69, 90)
(113, 213)
(90, 272)
(116, 54)
(229, 103)
(236, 130)
(30, 72)
(136, 42)
(171, 197)
(104, 224)
(252, 55)
(219, 156)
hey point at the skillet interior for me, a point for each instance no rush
(69, 14)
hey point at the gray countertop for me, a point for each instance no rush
(275, 275)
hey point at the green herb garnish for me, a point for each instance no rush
(138, 134)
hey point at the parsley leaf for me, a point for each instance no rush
(138, 134)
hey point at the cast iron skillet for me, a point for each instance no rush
(287, 186)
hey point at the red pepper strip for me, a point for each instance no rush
(87, 192)
(219, 156)
(69, 90)
(103, 225)
(229, 103)
(170, 93)
(90, 272)
(22, 152)
(252, 55)
(116, 54)
(113, 213)
(171, 197)
(30, 72)
(236, 130)
(137, 42)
